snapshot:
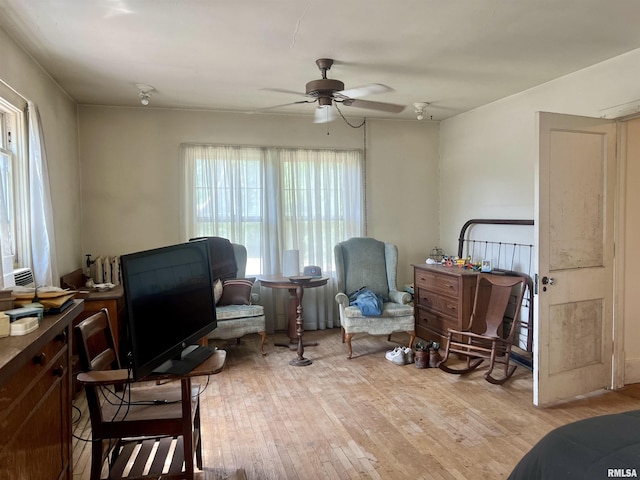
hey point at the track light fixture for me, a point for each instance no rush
(145, 93)
(420, 106)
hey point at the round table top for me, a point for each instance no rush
(280, 281)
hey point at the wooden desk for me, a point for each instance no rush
(211, 366)
(35, 400)
(296, 322)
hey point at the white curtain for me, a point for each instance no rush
(6, 265)
(277, 199)
(43, 245)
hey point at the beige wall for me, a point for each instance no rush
(131, 174)
(488, 158)
(60, 126)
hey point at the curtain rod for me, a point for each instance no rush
(198, 144)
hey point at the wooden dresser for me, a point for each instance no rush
(443, 299)
(35, 400)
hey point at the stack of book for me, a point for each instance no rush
(52, 301)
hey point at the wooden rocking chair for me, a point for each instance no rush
(495, 297)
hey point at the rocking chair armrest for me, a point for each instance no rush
(476, 335)
(342, 299)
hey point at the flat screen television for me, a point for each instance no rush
(170, 306)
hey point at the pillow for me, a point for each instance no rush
(217, 290)
(237, 291)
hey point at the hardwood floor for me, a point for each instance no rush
(364, 418)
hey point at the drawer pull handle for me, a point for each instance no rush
(62, 336)
(59, 371)
(40, 359)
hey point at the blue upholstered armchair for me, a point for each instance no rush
(367, 262)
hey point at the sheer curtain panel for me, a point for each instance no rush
(275, 199)
(43, 245)
(6, 253)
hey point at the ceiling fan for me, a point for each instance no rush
(327, 92)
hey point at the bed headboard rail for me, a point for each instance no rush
(510, 258)
(485, 221)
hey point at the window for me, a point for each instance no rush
(12, 187)
(274, 199)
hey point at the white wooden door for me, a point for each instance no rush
(576, 180)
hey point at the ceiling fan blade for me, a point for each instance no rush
(364, 90)
(282, 90)
(284, 105)
(324, 114)
(381, 106)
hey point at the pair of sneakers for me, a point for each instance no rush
(400, 355)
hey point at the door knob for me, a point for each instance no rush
(547, 280)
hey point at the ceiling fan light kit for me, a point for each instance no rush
(145, 93)
(329, 92)
(420, 106)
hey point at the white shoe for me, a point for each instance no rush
(396, 356)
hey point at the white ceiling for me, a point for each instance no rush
(222, 54)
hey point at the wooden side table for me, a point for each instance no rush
(295, 286)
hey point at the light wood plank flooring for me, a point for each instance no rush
(364, 418)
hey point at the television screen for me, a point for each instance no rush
(170, 305)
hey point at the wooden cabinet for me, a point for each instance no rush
(94, 301)
(443, 299)
(113, 301)
(35, 400)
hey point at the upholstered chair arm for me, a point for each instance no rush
(342, 299)
(397, 296)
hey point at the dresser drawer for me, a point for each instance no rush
(443, 284)
(435, 322)
(438, 302)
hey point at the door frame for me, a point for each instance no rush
(620, 254)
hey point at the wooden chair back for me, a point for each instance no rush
(97, 348)
(496, 297)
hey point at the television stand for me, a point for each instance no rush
(190, 358)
